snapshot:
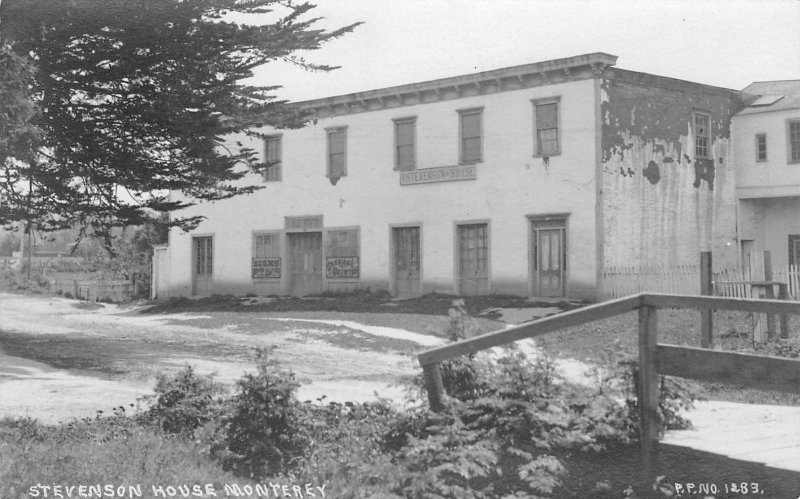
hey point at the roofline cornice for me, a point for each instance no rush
(499, 80)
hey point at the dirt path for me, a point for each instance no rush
(89, 360)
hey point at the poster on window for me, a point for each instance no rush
(266, 268)
(342, 267)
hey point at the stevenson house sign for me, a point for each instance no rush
(440, 174)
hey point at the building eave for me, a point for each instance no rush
(499, 80)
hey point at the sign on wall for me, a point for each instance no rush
(266, 268)
(341, 267)
(441, 174)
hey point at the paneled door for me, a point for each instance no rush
(549, 257)
(473, 259)
(406, 262)
(305, 260)
(203, 266)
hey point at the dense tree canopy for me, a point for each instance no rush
(133, 98)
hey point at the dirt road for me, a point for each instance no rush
(60, 359)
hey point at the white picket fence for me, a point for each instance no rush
(728, 282)
(619, 281)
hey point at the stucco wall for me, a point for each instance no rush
(775, 176)
(769, 222)
(510, 185)
(662, 206)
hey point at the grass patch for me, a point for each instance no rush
(101, 451)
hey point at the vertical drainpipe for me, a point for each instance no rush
(732, 163)
(598, 180)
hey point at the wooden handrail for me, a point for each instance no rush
(697, 363)
(530, 329)
(721, 303)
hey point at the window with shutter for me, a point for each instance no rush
(794, 141)
(547, 141)
(471, 136)
(342, 254)
(272, 157)
(405, 144)
(266, 261)
(337, 150)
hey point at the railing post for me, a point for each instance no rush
(783, 294)
(648, 389)
(706, 315)
(433, 383)
(769, 294)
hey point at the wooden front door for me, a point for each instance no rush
(549, 258)
(203, 263)
(305, 263)
(406, 262)
(473, 259)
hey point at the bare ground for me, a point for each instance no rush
(61, 359)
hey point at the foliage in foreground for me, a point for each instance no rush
(512, 428)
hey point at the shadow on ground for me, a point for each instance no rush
(360, 301)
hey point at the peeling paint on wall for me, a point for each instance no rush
(679, 204)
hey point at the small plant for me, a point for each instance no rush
(184, 401)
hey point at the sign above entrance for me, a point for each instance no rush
(441, 174)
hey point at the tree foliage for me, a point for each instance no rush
(134, 97)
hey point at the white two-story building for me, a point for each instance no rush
(766, 135)
(525, 180)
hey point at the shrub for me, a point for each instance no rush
(262, 428)
(184, 401)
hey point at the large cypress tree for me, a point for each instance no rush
(134, 97)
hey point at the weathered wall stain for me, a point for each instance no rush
(704, 170)
(652, 173)
(679, 205)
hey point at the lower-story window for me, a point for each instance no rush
(342, 255)
(794, 249)
(266, 262)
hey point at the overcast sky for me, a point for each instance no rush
(728, 43)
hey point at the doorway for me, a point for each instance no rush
(548, 257)
(473, 259)
(305, 263)
(203, 265)
(407, 261)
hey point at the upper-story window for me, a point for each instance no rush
(272, 157)
(702, 135)
(405, 153)
(337, 152)
(794, 141)
(471, 132)
(761, 147)
(546, 121)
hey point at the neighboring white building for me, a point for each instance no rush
(766, 135)
(525, 180)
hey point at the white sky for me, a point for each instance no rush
(728, 43)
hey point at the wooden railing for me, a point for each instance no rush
(746, 370)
